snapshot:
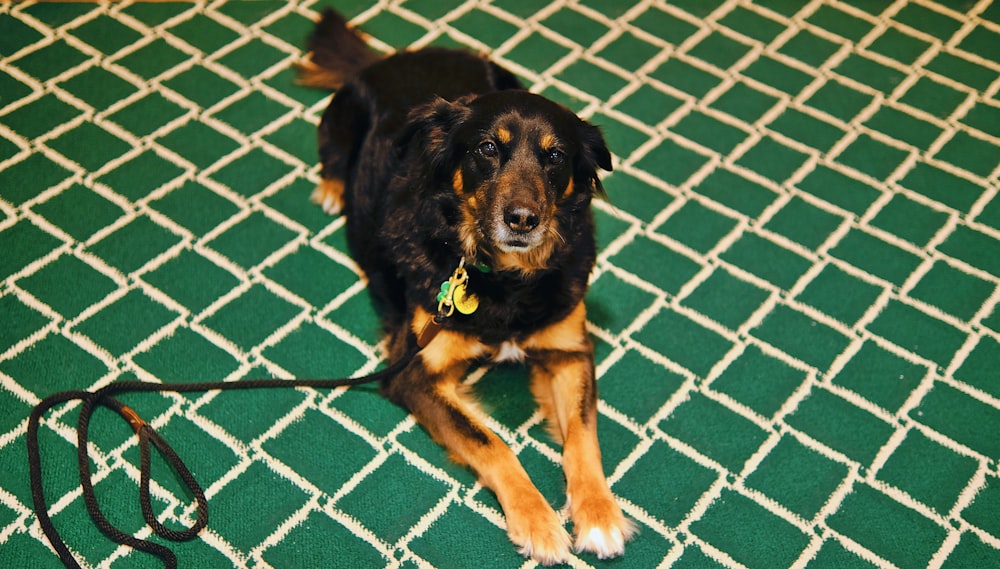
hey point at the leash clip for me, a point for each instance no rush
(455, 294)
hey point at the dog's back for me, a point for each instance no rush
(391, 86)
(374, 96)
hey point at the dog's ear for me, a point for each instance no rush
(430, 128)
(595, 152)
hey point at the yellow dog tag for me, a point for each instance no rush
(465, 302)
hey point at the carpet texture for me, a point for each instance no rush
(794, 308)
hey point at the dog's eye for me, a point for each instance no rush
(488, 149)
(556, 157)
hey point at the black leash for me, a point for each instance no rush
(105, 397)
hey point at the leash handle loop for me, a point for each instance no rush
(147, 435)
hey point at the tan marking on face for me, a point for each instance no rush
(569, 189)
(536, 259)
(547, 141)
(504, 136)
(527, 262)
(457, 182)
(468, 227)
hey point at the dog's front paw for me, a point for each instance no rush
(329, 195)
(538, 533)
(600, 527)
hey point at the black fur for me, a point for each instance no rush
(439, 155)
(394, 134)
(421, 209)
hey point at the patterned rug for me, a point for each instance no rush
(794, 308)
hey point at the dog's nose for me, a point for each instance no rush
(520, 219)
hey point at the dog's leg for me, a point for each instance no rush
(562, 381)
(342, 129)
(430, 389)
(329, 195)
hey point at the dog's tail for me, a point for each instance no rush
(336, 53)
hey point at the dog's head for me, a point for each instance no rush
(522, 170)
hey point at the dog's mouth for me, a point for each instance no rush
(508, 239)
(515, 246)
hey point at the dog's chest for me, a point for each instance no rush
(509, 351)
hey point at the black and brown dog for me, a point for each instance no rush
(468, 208)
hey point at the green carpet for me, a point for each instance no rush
(794, 308)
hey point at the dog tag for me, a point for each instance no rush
(465, 301)
(455, 294)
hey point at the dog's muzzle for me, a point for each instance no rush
(517, 228)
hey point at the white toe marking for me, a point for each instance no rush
(328, 205)
(554, 557)
(604, 544)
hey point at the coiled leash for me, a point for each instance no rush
(454, 294)
(105, 397)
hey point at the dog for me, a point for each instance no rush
(467, 203)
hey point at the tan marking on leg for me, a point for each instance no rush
(555, 347)
(532, 524)
(563, 384)
(453, 420)
(329, 195)
(598, 522)
(567, 335)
